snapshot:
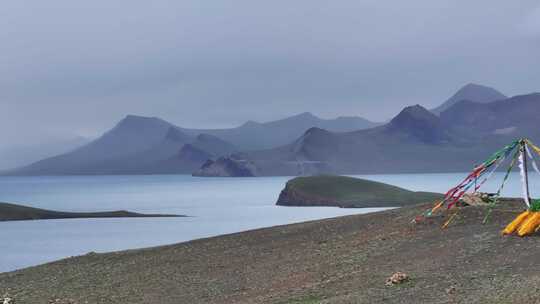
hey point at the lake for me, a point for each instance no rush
(215, 206)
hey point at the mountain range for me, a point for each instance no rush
(150, 145)
(474, 122)
(255, 136)
(416, 140)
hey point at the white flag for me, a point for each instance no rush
(522, 173)
(532, 159)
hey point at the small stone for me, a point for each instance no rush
(397, 278)
(6, 299)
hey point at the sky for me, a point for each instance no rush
(74, 68)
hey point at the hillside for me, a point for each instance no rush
(348, 192)
(508, 118)
(340, 260)
(13, 212)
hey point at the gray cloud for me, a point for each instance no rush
(76, 67)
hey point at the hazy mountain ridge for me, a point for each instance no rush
(135, 145)
(255, 136)
(518, 114)
(415, 140)
(146, 145)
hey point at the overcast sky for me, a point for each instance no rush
(76, 67)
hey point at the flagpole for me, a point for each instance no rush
(523, 151)
(475, 180)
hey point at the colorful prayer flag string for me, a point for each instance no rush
(525, 222)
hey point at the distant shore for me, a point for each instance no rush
(14, 212)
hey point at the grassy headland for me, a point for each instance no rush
(348, 192)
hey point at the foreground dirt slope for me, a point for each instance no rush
(341, 260)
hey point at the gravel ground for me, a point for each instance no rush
(340, 260)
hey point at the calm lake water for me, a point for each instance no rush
(216, 206)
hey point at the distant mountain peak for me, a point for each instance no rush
(472, 85)
(416, 112)
(132, 117)
(315, 144)
(473, 92)
(474, 88)
(418, 122)
(136, 122)
(306, 115)
(314, 131)
(250, 123)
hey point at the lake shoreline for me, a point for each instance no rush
(217, 206)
